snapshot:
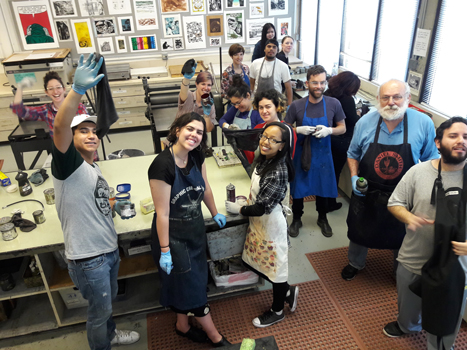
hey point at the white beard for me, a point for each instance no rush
(394, 112)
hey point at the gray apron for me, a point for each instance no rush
(265, 84)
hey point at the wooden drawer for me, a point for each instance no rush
(130, 90)
(6, 101)
(130, 101)
(131, 112)
(130, 122)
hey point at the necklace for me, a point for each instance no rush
(183, 160)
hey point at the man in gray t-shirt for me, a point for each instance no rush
(411, 204)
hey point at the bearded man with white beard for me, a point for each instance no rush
(385, 144)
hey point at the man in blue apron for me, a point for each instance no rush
(385, 144)
(314, 117)
(430, 200)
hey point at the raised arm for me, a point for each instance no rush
(186, 83)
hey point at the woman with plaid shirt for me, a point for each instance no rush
(266, 250)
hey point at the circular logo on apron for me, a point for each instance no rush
(389, 165)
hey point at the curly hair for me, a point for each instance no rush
(343, 84)
(184, 120)
(50, 76)
(278, 99)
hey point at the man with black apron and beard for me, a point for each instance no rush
(385, 144)
(431, 200)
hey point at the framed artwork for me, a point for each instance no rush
(235, 3)
(257, 10)
(215, 25)
(198, 7)
(106, 45)
(283, 27)
(63, 30)
(172, 26)
(167, 44)
(193, 27)
(64, 8)
(215, 41)
(143, 43)
(234, 26)
(168, 6)
(254, 28)
(91, 7)
(178, 44)
(278, 7)
(214, 6)
(120, 42)
(125, 25)
(104, 26)
(118, 7)
(145, 14)
(82, 35)
(35, 25)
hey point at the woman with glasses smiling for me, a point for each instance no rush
(54, 88)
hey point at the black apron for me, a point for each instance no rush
(442, 284)
(369, 222)
(185, 287)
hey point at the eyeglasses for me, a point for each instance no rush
(395, 98)
(58, 88)
(270, 140)
(316, 83)
(237, 104)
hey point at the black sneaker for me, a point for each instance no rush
(294, 228)
(349, 272)
(393, 330)
(292, 298)
(268, 319)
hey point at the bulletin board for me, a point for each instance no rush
(120, 28)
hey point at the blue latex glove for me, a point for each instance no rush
(118, 208)
(220, 219)
(86, 74)
(192, 74)
(354, 186)
(208, 106)
(166, 262)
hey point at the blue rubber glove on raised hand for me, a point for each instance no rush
(118, 209)
(208, 106)
(354, 186)
(166, 262)
(86, 74)
(220, 219)
(192, 74)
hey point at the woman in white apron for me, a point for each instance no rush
(265, 251)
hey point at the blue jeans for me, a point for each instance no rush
(357, 256)
(97, 281)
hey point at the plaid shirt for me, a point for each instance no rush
(227, 77)
(45, 113)
(273, 186)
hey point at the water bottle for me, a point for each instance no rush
(362, 185)
(335, 69)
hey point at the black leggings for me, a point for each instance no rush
(279, 290)
(297, 206)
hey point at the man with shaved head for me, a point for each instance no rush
(385, 144)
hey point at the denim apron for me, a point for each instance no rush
(320, 180)
(268, 82)
(246, 78)
(185, 287)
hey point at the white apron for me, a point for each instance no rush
(266, 247)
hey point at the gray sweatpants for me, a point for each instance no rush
(410, 316)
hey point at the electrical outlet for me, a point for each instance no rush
(165, 56)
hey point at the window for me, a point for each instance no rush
(446, 74)
(308, 31)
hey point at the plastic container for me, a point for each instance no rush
(146, 205)
(233, 280)
(126, 153)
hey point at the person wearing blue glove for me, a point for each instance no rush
(354, 186)
(118, 209)
(178, 182)
(82, 202)
(269, 182)
(191, 101)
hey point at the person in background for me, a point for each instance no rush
(343, 86)
(55, 89)
(265, 251)
(178, 182)
(268, 32)
(286, 49)
(190, 101)
(82, 203)
(236, 52)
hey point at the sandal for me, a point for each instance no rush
(195, 334)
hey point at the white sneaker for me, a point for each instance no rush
(125, 337)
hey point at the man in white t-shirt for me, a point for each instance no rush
(269, 72)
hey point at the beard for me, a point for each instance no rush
(448, 158)
(315, 93)
(392, 112)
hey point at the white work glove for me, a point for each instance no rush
(225, 126)
(232, 208)
(322, 131)
(305, 130)
(26, 83)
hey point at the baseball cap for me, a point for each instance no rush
(81, 118)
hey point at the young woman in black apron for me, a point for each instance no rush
(178, 182)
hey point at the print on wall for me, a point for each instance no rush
(283, 27)
(104, 26)
(172, 26)
(193, 27)
(118, 7)
(125, 25)
(91, 7)
(121, 44)
(215, 41)
(82, 35)
(168, 6)
(35, 24)
(198, 7)
(64, 8)
(178, 44)
(167, 44)
(146, 14)
(235, 3)
(278, 7)
(254, 28)
(63, 30)
(257, 10)
(106, 45)
(215, 25)
(143, 43)
(214, 6)
(234, 22)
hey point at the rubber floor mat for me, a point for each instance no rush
(369, 302)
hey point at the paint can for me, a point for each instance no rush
(127, 211)
(5, 220)
(49, 194)
(230, 193)
(39, 217)
(8, 231)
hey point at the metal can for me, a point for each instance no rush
(5, 220)
(230, 193)
(39, 217)
(128, 210)
(49, 194)
(8, 231)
